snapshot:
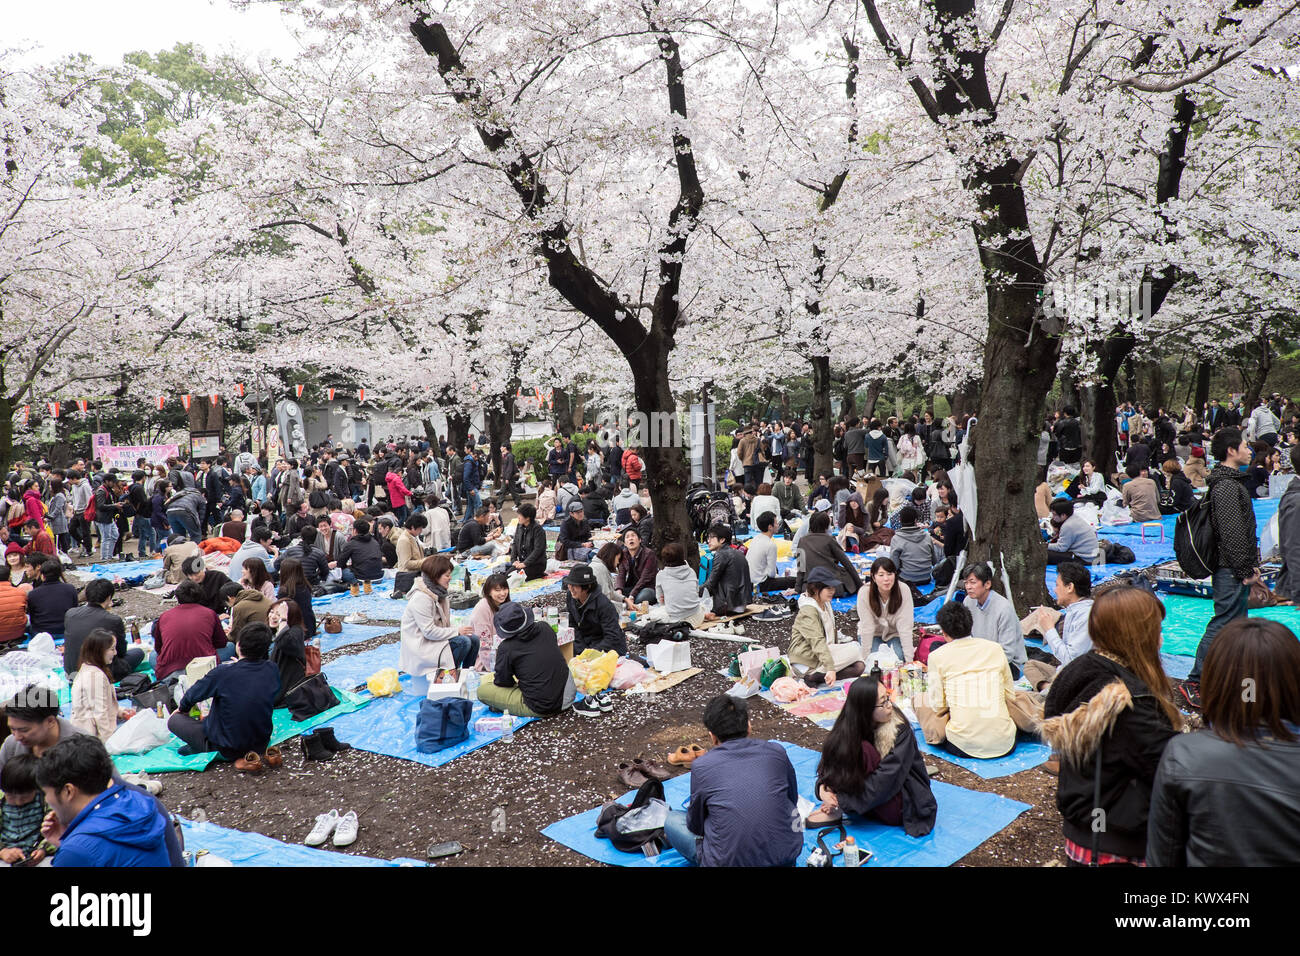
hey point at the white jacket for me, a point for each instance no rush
(426, 631)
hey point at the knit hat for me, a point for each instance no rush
(1198, 451)
(512, 619)
(575, 507)
(13, 548)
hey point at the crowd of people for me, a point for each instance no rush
(340, 519)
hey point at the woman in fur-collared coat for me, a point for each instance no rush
(1109, 715)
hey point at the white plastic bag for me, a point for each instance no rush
(142, 733)
(651, 815)
(1114, 513)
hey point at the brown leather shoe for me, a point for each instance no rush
(249, 763)
(354, 590)
(630, 776)
(652, 769)
(273, 757)
(367, 588)
(1053, 766)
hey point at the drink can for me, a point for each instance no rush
(162, 711)
(188, 858)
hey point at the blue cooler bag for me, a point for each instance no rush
(441, 723)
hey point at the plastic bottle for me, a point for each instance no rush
(509, 736)
(850, 852)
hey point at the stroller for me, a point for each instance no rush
(707, 508)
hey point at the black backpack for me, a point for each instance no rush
(630, 842)
(1194, 543)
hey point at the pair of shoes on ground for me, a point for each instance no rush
(777, 612)
(322, 745)
(593, 705)
(730, 627)
(252, 762)
(637, 771)
(685, 756)
(355, 590)
(342, 827)
(145, 782)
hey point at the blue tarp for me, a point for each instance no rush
(1025, 756)
(352, 634)
(254, 849)
(351, 670)
(966, 819)
(123, 569)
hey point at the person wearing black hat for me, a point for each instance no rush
(531, 678)
(594, 619)
(815, 650)
(575, 540)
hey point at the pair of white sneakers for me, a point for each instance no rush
(343, 827)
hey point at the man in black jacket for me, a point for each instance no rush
(509, 475)
(210, 582)
(528, 549)
(531, 678)
(1233, 519)
(595, 622)
(361, 557)
(728, 581)
(315, 563)
(80, 621)
(1069, 437)
(575, 540)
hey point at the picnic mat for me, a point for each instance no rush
(1024, 756)
(966, 819)
(352, 670)
(661, 682)
(167, 758)
(1265, 509)
(387, 727)
(352, 634)
(123, 569)
(254, 849)
(1186, 617)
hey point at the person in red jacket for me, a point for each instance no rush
(632, 464)
(13, 612)
(39, 539)
(398, 493)
(189, 630)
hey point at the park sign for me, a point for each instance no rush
(124, 457)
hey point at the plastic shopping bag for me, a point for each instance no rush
(627, 673)
(592, 671)
(142, 733)
(384, 683)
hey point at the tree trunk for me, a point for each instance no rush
(6, 432)
(822, 429)
(499, 428)
(1202, 396)
(430, 433)
(563, 412)
(1130, 381)
(458, 426)
(1253, 383)
(667, 469)
(873, 396)
(848, 403)
(578, 412)
(1100, 439)
(1156, 377)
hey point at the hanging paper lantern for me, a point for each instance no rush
(185, 400)
(330, 393)
(361, 395)
(27, 413)
(54, 409)
(82, 405)
(162, 399)
(239, 389)
(298, 389)
(214, 398)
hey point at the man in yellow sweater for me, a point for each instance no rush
(965, 710)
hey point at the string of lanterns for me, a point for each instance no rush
(55, 409)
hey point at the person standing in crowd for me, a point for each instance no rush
(1232, 518)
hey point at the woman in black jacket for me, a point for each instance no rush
(294, 587)
(1179, 486)
(1229, 795)
(288, 650)
(871, 765)
(1109, 715)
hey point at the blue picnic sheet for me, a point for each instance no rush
(966, 819)
(123, 569)
(351, 670)
(254, 849)
(352, 634)
(1026, 755)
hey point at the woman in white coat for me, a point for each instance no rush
(429, 641)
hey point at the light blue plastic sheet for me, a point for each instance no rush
(353, 634)
(966, 819)
(254, 849)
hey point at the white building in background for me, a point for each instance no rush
(350, 423)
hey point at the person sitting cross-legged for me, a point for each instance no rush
(243, 693)
(532, 678)
(1073, 538)
(743, 809)
(871, 765)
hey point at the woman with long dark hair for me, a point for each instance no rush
(496, 592)
(1109, 715)
(885, 611)
(294, 587)
(288, 647)
(871, 765)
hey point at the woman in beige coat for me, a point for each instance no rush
(813, 648)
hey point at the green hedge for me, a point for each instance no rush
(723, 457)
(726, 426)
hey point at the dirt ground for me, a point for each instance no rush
(551, 770)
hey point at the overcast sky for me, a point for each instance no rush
(106, 29)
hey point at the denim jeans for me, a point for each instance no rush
(182, 523)
(895, 644)
(464, 649)
(107, 538)
(580, 554)
(402, 513)
(486, 548)
(644, 596)
(1230, 602)
(680, 838)
(143, 531)
(472, 502)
